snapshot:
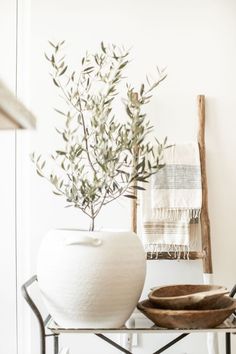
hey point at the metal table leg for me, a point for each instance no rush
(228, 335)
(36, 312)
(227, 343)
(56, 344)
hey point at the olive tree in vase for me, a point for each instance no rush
(95, 278)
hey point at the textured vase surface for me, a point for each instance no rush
(91, 279)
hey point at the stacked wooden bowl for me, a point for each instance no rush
(188, 306)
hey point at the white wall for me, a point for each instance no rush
(7, 188)
(196, 41)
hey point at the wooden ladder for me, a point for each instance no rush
(205, 253)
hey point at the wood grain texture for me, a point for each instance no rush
(134, 213)
(134, 205)
(13, 113)
(6, 122)
(187, 296)
(205, 221)
(189, 318)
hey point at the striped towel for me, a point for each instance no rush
(172, 201)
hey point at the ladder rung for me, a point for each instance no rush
(192, 255)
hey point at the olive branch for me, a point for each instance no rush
(101, 158)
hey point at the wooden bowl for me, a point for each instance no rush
(188, 296)
(189, 319)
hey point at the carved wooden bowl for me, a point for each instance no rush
(182, 297)
(189, 319)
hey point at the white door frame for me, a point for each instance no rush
(22, 146)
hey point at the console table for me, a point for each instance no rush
(48, 328)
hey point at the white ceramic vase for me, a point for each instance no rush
(91, 279)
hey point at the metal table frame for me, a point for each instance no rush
(47, 324)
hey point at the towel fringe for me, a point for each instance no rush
(176, 214)
(155, 249)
